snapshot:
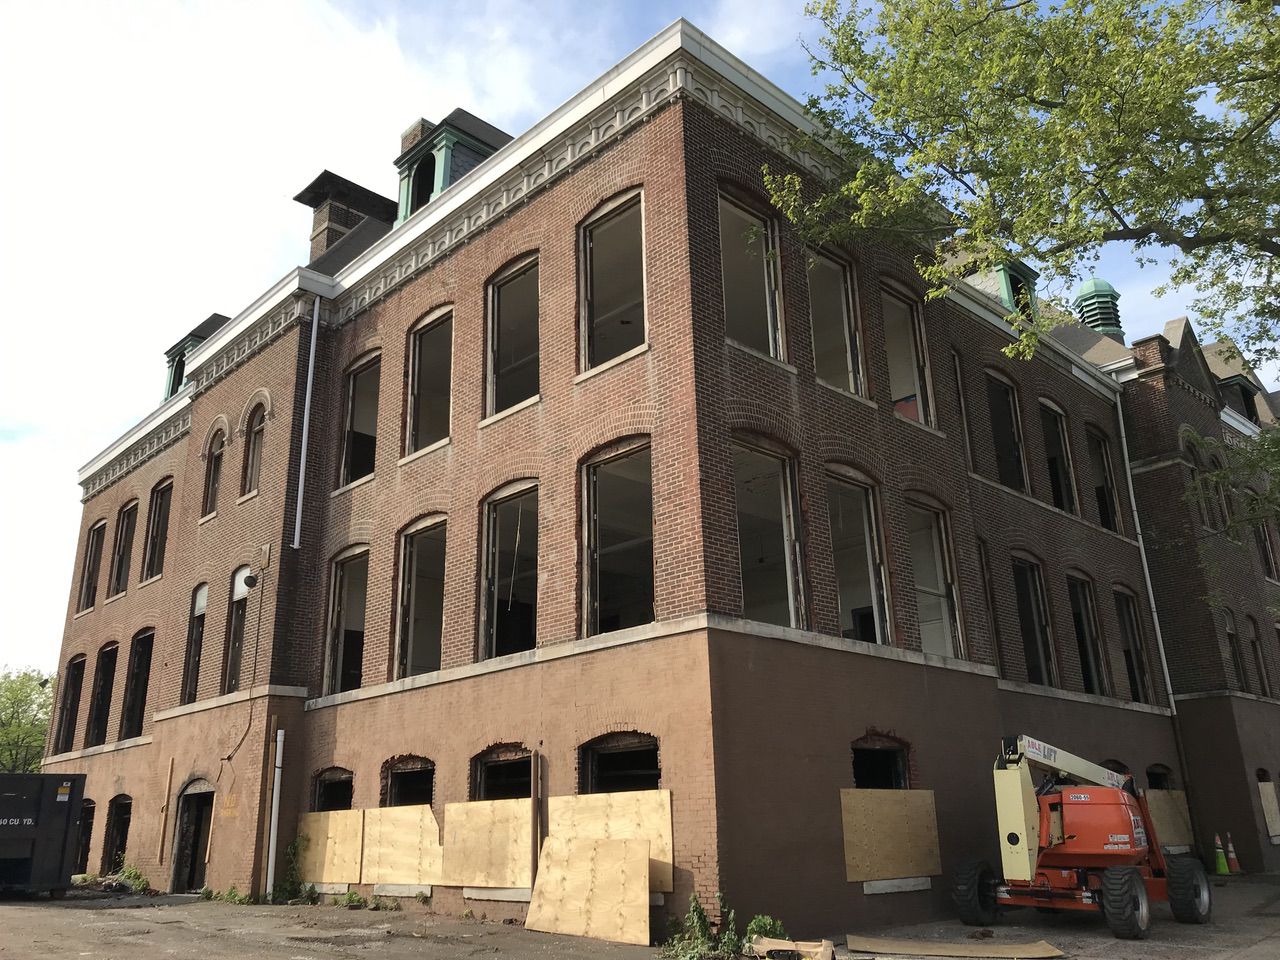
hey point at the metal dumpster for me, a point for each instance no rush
(39, 828)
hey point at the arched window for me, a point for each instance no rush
(853, 507)
(407, 781)
(241, 581)
(1159, 777)
(195, 644)
(503, 772)
(333, 790)
(137, 680)
(881, 762)
(70, 687)
(511, 570)
(104, 678)
(424, 182)
(91, 564)
(1200, 491)
(253, 433)
(213, 472)
(157, 529)
(1259, 660)
(618, 762)
(122, 552)
(1233, 645)
(1264, 775)
(191, 836)
(115, 843)
(87, 810)
(422, 571)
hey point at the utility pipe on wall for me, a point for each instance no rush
(275, 817)
(306, 422)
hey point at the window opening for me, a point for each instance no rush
(430, 383)
(613, 255)
(511, 605)
(1133, 647)
(122, 552)
(748, 266)
(213, 473)
(236, 616)
(333, 790)
(254, 434)
(346, 651)
(836, 355)
(69, 710)
(1084, 616)
(116, 839)
(859, 563)
(87, 810)
(422, 600)
(768, 541)
(192, 833)
(1006, 434)
(880, 768)
(908, 364)
(1033, 618)
(1104, 481)
(195, 641)
(1058, 456)
(157, 530)
(361, 444)
(620, 542)
(1259, 660)
(410, 783)
(135, 686)
(104, 678)
(92, 564)
(618, 762)
(989, 599)
(513, 338)
(1233, 643)
(506, 774)
(935, 594)
(1159, 777)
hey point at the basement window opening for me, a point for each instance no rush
(880, 768)
(409, 783)
(135, 687)
(1057, 452)
(213, 473)
(1159, 777)
(511, 576)
(87, 810)
(837, 358)
(157, 530)
(72, 684)
(431, 367)
(1006, 433)
(1104, 481)
(937, 609)
(122, 552)
(104, 677)
(1084, 616)
(92, 564)
(859, 562)
(1132, 647)
(513, 337)
(115, 843)
(768, 544)
(333, 790)
(195, 641)
(422, 600)
(502, 775)
(237, 613)
(620, 542)
(613, 282)
(1033, 619)
(905, 350)
(748, 263)
(346, 644)
(617, 763)
(360, 444)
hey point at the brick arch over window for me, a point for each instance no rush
(618, 429)
(620, 761)
(882, 760)
(761, 420)
(501, 771)
(259, 398)
(582, 213)
(406, 780)
(219, 423)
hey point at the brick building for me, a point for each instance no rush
(572, 451)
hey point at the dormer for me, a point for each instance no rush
(435, 155)
(176, 356)
(1018, 287)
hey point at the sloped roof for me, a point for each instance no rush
(355, 242)
(1083, 340)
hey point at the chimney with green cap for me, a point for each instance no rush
(1095, 305)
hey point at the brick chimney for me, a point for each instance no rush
(339, 206)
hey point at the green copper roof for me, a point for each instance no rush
(1095, 287)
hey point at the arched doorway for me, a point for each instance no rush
(115, 840)
(191, 836)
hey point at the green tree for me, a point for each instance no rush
(974, 131)
(26, 697)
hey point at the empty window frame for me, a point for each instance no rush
(749, 270)
(70, 687)
(859, 561)
(408, 781)
(213, 473)
(430, 382)
(880, 768)
(612, 257)
(768, 538)
(989, 601)
(122, 550)
(1033, 619)
(347, 620)
(1105, 493)
(1266, 548)
(137, 679)
(360, 441)
(195, 644)
(619, 554)
(1006, 433)
(422, 552)
(254, 433)
(502, 773)
(91, 565)
(115, 842)
(1259, 660)
(511, 573)
(157, 530)
(237, 614)
(1084, 617)
(904, 347)
(1133, 647)
(1057, 452)
(935, 592)
(1200, 489)
(837, 357)
(1159, 777)
(513, 336)
(1233, 645)
(619, 762)
(87, 810)
(104, 679)
(333, 790)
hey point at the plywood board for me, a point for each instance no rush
(488, 843)
(592, 888)
(635, 815)
(1270, 808)
(402, 846)
(889, 834)
(1171, 817)
(878, 946)
(333, 848)
(808, 949)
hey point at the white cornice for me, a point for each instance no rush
(170, 408)
(1238, 423)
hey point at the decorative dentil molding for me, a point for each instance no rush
(138, 453)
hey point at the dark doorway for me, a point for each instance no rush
(195, 817)
(116, 840)
(87, 810)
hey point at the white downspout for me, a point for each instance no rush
(306, 423)
(275, 817)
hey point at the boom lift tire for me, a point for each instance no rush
(973, 889)
(1125, 903)
(1190, 897)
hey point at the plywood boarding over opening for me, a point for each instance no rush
(1171, 817)
(1270, 809)
(889, 834)
(592, 888)
(635, 815)
(333, 847)
(488, 843)
(402, 846)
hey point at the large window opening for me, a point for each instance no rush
(768, 541)
(104, 678)
(618, 762)
(92, 564)
(72, 683)
(213, 473)
(157, 530)
(333, 790)
(1057, 451)
(1259, 659)
(430, 381)
(513, 338)
(1159, 777)
(408, 781)
(422, 600)
(1237, 656)
(1084, 616)
(1006, 433)
(859, 565)
(1133, 647)
(613, 287)
(122, 552)
(1262, 540)
(1033, 620)
(192, 833)
(361, 443)
(748, 262)
(511, 574)
(1104, 481)
(620, 542)
(880, 768)
(935, 594)
(254, 433)
(115, 842)
(195, 642)
(237, 613)
(135, 685)
(502, 773)
(346, 645)
(424, 182)
(832, 304)
(87, 810)
(904, 348)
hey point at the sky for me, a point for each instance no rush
(148, 156)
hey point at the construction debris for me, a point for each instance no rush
(879, 946)
(790, 949)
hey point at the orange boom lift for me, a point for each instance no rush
(1079, 839)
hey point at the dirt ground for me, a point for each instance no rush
(1246, 927)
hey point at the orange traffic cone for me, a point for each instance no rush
(1232, 863)
(1219, 857)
